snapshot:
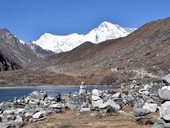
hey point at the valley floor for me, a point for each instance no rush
(69, 119)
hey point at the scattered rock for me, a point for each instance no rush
(150, 106)
(10, 117)
(113, 105)
(18, 119)
(85, 110)
(57, 105)
(165, 111)
(156, 125)
(167, 78)
(96, 92)
(164, 121)
(38, 95)
(0, 119)
(164, 93)
(38, 115)
(141, 112)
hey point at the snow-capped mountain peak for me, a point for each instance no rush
(63, 43)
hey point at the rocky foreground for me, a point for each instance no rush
(133, 108)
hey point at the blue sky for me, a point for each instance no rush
(29, 19)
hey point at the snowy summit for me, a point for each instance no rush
(104, 31)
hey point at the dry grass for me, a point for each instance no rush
(69, 119)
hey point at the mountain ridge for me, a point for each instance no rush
(142, 55)
(63, 43)
(40, 52)
(14, 54)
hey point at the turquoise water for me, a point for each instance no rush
(10, 93)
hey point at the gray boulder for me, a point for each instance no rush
(116, 95)
(0, 119)
(10, 117)
(165, 111)
(18, 119)
(28, 115)
(20, 111)
(95, 98)
(150, 106)
(8, 125)
(139, 103)
(98, 103)
(57, 105)
(38, 95)
(9, 111)
(161, 124)
(164, 93)
(113, 105)
(58, 97)
(96, 92)
(38, 115)
(85, 110)
(2, 105)
(140, 112)
(156, 125)
(142, 116)
(167, 78)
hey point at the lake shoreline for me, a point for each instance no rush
(51, 85)
(38, 86)
(9, 93)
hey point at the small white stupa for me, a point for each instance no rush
(82, 88)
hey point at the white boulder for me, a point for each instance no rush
(94, 98)
(57, 105)
(84, 110)
(165, 110)
(164, 93)
(97, 103)
(150, 106)
(116, 95)
(9, 111)
(113, 104)
(96, 92)
(18, 119)
(167, 78)
(38, 115)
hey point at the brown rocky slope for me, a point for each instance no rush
(142, 55)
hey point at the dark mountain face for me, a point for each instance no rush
(6, 64)
(41, 53)
(14, 54)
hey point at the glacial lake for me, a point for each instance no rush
(9, 93)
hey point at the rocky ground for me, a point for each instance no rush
(135, 107)
(70, 119)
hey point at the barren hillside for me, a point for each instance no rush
(142, 55)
